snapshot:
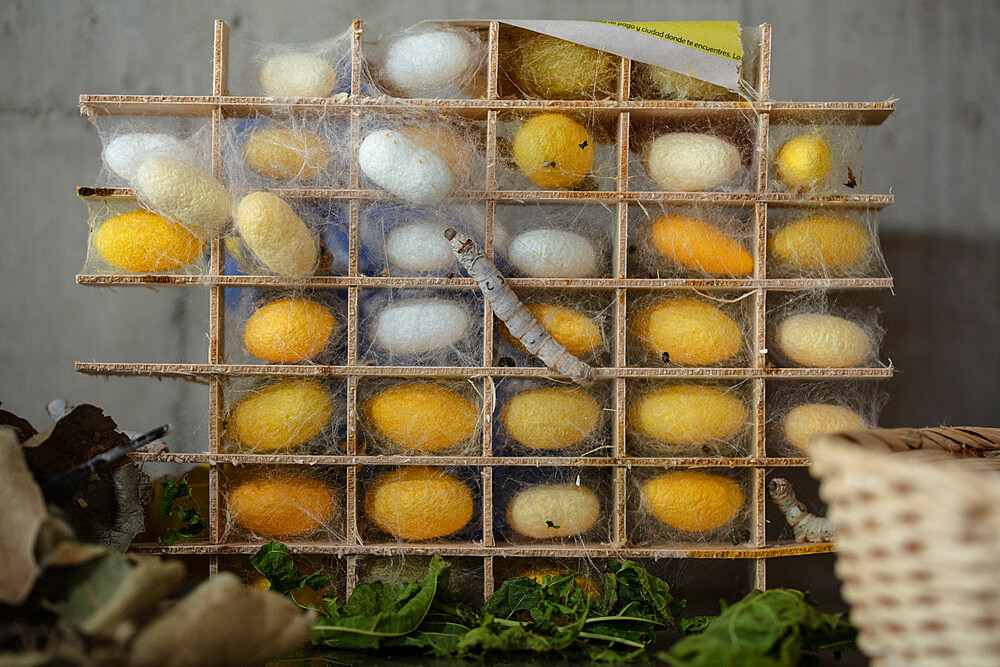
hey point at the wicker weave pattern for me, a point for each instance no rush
(917, 543)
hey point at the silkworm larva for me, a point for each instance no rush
(519, 320)
(808, 527)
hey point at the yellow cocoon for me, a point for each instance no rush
(418, 503)
(421, 415)
(280, 416)
(691, 500)
(551, 417)
(699, 245)
(687, 414)
(667, 83)
(823, 341)
(283, 153)
(553, 150)
(550, 68)
(297, 74)
(804, 161)
(145, 242)
(285, 331)
(188, 195)
(569, 328)
(276, 235)
(456, 149)
(282, 505)
(820, 243)
(690, 331)
(691, 162)
(590, 587)
(553, 510)
(805, 421)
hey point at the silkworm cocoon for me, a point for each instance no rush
(296, 74)
(404, 168)
(691, 162)
(284, 153)
(419, 246)
(418, 503)
(823, 341)
(667, 83)
(553, 150)
(805, 421)
(589, 585)
(550, 68)
(416, 326)
(553, 510)
(575, 331)
(126, 152)
(691, 500)
(285, 331)
(282, 505)
(145, 242)
(553, 253)
(188, 195)
(456, 148)
(421, 64)
(280, 416)
(421, 415)
(551, 417)
(804, 161)
(276, 235)
(820, 243)
(689, 331)
(699, 245)
(687, 414)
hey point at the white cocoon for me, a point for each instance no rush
(418, 326)
(553, 253)
(421, 64)
(691, 162)
(400, 166)
(419, 246)
(125, 153)
(296, 74)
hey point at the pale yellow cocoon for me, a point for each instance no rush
(297, 74)
(804, 161)
(286, 331)
(676, 86)
(146, 242)
(691, 162)
(276, 235)
(418, 503)
(421, 415)
(179, 191)
(823, 341)
(456, 149)
(820, 243)
(553, 510)
(280, 416)
(551, 417)
(687, 414)
(282, 504)
(812, 419)
(286, 154)
(550, 68)
(692, 500)
(689, 331)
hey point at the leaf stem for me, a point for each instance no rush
(611, 638)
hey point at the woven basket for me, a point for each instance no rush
(918, 541)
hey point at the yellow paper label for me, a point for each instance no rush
(720, 38)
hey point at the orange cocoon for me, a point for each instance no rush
(554, 151)
(455, 148)
(573, 330)
(699, 245)
(418, 503)
(146, 242)
(282, 505)
(288, 330)
(689, 331)
(421, 415)
(691, 500)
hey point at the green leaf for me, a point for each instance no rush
(192, 523)
(173, 492)
(274, 561)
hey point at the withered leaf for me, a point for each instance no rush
(223, 622)
(24, 428)
(81, 434)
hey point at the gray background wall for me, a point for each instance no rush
(941, 238)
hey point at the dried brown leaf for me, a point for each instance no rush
(81, 434)
(223, 622)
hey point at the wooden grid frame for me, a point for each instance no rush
(220, 105)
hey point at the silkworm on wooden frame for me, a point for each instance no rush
(515, 315)
(808, 527)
